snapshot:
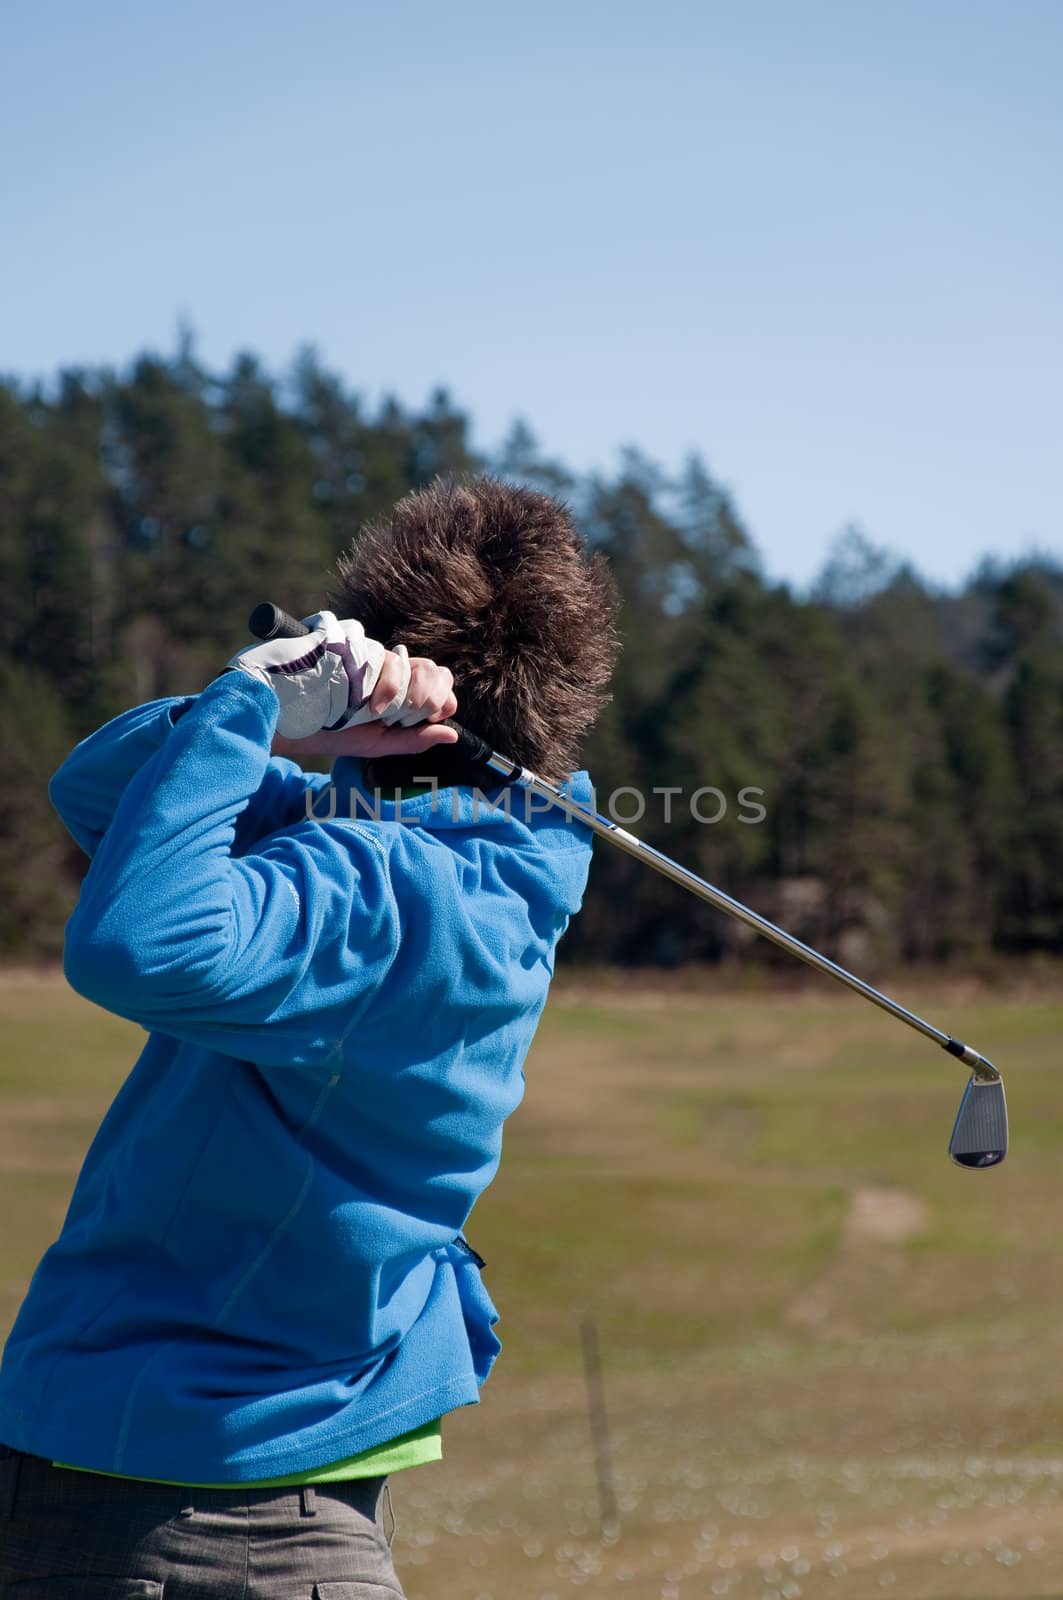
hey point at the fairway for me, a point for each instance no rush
(831, 1358)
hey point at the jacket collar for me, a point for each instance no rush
(458, 806)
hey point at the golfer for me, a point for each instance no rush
(261, 1303)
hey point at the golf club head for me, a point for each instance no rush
(980, 1135)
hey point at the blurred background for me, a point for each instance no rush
(771, 295)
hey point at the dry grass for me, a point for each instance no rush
(831, 1358)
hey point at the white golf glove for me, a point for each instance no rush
(325, 678)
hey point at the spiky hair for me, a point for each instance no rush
(492, 580)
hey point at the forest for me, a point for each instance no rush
(905, 742)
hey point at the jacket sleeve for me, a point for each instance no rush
(269, 955)
(92, 780)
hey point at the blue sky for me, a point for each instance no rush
(821, 243)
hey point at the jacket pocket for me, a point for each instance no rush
(477, 1307)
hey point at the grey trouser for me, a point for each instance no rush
(79, 1536)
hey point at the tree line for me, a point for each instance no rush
(904, 743)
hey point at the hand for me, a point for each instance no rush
(323, 679)
(429, 698)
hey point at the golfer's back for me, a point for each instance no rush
(262, 1267)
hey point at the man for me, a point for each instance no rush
(261, 1302)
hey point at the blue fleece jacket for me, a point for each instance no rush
(262, 1269)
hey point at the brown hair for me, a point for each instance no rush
(491, 580)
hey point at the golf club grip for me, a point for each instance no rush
(268, 621)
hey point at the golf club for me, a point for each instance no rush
(980, 1133)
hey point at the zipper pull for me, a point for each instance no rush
(463, 1244)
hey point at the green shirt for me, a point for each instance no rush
(408, 1450)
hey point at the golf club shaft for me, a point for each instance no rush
(271, 622)
(632, 846)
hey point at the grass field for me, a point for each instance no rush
(833, 1362)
